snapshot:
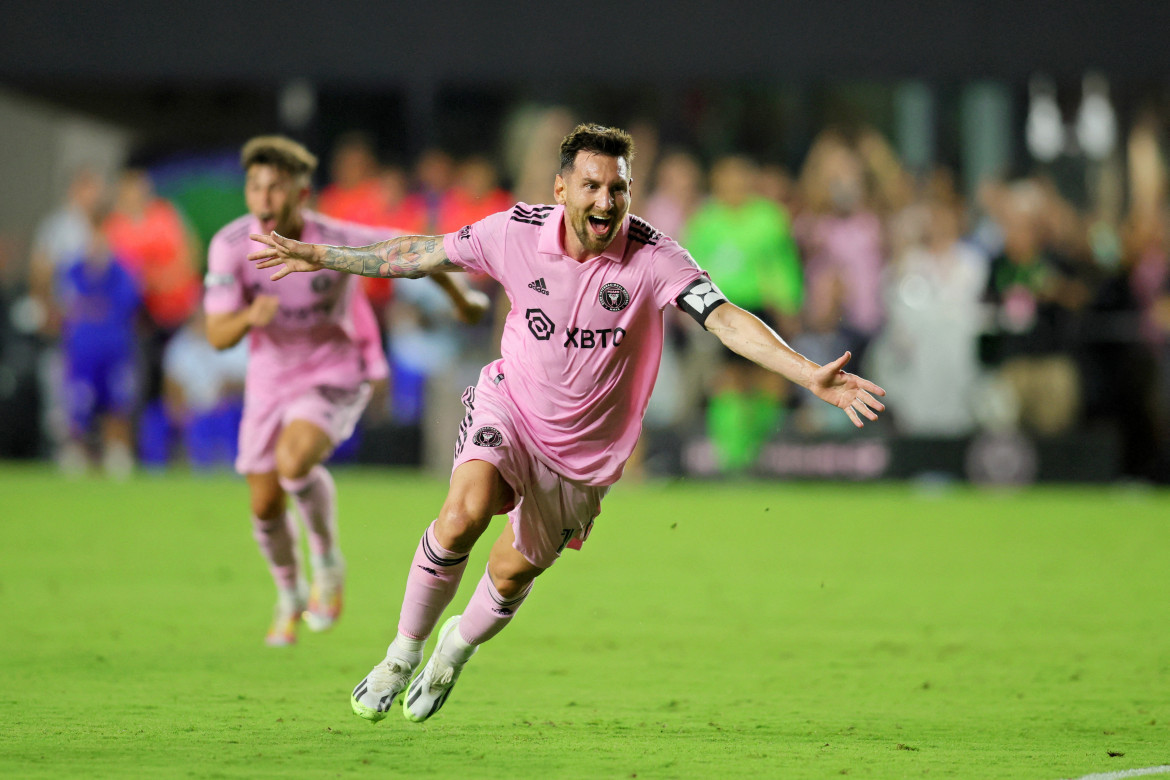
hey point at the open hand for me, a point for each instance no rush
(292, 255)
(847, 391)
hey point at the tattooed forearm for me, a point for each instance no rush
(352, 260)
(406, 256)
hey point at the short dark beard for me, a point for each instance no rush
(587, 237)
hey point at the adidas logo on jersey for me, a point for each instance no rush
(539, 286)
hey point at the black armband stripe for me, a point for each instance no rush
(699, 299)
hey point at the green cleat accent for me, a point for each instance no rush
(374, 696)
(429, 691)
(362, 711)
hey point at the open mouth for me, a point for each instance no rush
(598, 225)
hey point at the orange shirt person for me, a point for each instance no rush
(149, 235)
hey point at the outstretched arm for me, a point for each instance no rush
(405, 256)
(745, 334)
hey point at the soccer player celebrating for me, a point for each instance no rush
(314, 349)
(550, 425)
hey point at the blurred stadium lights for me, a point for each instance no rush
(1044, 129)
(1093, 134)
(1096, 120)
(297, 105)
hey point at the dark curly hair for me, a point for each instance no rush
(610, 141)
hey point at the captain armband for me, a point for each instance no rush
(700, 298)
(219, 280)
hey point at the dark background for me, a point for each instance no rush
(260, 42)
(183, 80)
(169, 68)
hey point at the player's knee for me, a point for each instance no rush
(268, 503)
(509, 580)
(461, 522)
(293, 461)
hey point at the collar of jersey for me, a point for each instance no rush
(549, 242)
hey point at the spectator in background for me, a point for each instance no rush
(842, 240)
(929, 349)
(677, 193)
(61, 237)
(644, 131)
(476, 194)
(1035, 299)
(890, 186)
(744, 241)
(532, 138)
(64, 235)
(775, 183)
(1146, 255)
(148, 234)
(401, 210)
(356, 192)
(99, 300)
(1145, 252)
(360, 193)
(203, 388)
(990, 201)
(434, 172)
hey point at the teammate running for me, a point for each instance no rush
(314, 349)
(550, 425)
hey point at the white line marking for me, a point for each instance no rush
(1150, 770)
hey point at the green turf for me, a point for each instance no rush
(706, 630)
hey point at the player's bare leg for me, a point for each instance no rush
(500, 592)
(299, 451)
(276, 533)
(477, 493)
(117, 446)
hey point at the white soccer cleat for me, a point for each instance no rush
(374, 696)
(289, 607)
(325, 597)
(429, 691)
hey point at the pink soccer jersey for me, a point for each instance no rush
(582, 344)
(321, 335)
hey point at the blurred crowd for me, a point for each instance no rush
(1012, 309)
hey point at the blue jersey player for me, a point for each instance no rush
(99, 300)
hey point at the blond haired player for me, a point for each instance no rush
(314, 348)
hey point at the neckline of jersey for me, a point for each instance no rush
(550, 242)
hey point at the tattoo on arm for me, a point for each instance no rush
(406, 256)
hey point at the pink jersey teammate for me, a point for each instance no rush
(549, 425)
(314, 349)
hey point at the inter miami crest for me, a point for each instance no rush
(613, 297)
(488, 436)
(321, 283)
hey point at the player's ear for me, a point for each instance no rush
(559, 189)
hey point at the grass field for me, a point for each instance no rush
(706, 630)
